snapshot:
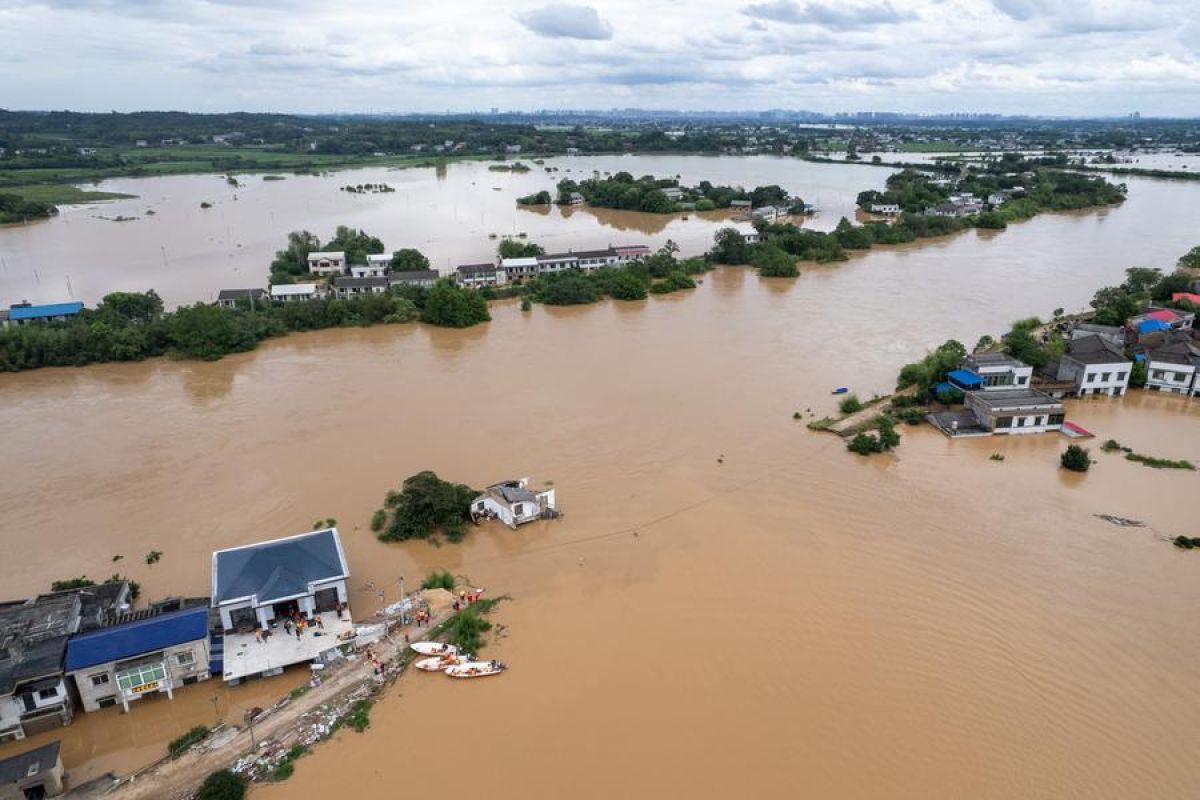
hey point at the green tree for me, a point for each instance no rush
(137, 307)
(452, 306)
(1076, 458)
(515, 248)
(222, 785)
(425, 505)
(1021, 345)
(730, 247)
(627, 285)
(208, 332)
(1191, 259)
(774, 263)
(408, 259)
(293, 259)
(356, 244)
(1138, 374)
(566, 289)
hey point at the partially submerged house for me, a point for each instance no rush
(1094, 365)
(33, 642)
(1173, 365)
(346, 287)
(27, 314)
(296, 292)
(258, 587)
(997, 399)
(477, 276)
(418, 277)
(232, 298)
(139, 654)
(513, 503)
(33, 774)
(33, 638)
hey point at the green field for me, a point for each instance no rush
(61, 194)
(52, 184)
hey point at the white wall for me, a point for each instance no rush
(1168, 377)
(1091, 379)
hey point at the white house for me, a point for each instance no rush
(1096, 366)
(378, 264)
(520, 269)
(230, 298)
(1172, 368)
(999, 370)
(477, 276)
(557, 262)
(296, 292)
(886, 209)
(627, 253)
(513, 503)
(597, 259)
(1003, 411)
(673, 192)
(327, 263)
(346, 287)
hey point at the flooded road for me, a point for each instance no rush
(189, 254)
(792, 620)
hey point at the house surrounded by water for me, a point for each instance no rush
(513, 503)
(276, 588)
(33, 774)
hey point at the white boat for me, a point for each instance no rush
(436, 663)
(475, 669)
(434, 649)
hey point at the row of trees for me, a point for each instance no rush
(128, 326)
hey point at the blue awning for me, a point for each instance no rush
(1152, 325)
(965, 378)
(43, 312)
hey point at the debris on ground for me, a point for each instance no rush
(1121, 521)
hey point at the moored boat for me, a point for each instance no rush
(475, 669)
(436, 663)
(434, 649)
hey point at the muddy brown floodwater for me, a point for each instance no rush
(792, 621)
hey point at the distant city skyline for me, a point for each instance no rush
(1062, 58)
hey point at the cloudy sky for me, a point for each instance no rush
(1008, 56)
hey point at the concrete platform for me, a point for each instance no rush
(245, 657)
(958, 424)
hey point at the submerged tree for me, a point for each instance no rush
(425, 506)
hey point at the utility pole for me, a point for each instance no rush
(249, 717)
(216, 701)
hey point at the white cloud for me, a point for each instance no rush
(566, 22)
(1040, 56)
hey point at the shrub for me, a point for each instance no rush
(864, 444)
(465, 630)
(153, 556)
(82, 582)
(378, 520)
(1186, 543)
(850, 404)
(222, 785)
(180, 744)
(439, 580)
(888, 437)
(996, 457)
(1110, 445)
(1076, 458)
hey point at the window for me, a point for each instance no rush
(1158, 374)
(1091, 378)
(1021, 380)
(99, 679)
(48, 694)
(1178, 377)
(519, 509)
(1004, 422)
(1057, 419)
(185, 659)
(141, 675)
(1106, 376)
(1121, 376)
(1038, 420)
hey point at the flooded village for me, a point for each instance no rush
(895, 601)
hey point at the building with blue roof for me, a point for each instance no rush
(142, 653)
(24, 313)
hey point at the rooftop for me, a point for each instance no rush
(1014, 398)
(125, 640)
(979, 360)
(289, 289)
(379, 258)
(467, 269)
(240, 294)
(330, 254)
(28, 764)
(342, 280)
(18, 313)
(413, 275)
(509, 263)
(278, 569)
(1095, 349)
(33, 635)
(245, 655)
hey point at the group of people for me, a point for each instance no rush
(466, 598)
(296, 624)
(376, 664)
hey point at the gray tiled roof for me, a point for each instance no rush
(28, 764)
(278, 569)
(1095, 349)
